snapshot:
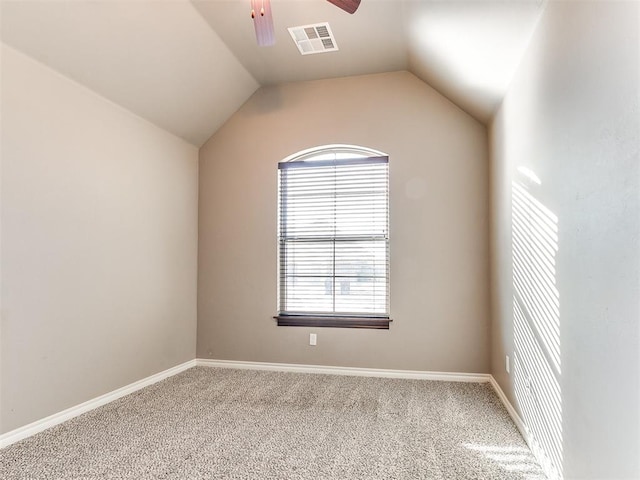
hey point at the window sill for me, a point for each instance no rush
(333, 321)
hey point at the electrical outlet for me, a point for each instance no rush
(313, 339)
(507, 364)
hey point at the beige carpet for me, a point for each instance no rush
(209, 423)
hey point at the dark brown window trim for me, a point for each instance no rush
(332, 321)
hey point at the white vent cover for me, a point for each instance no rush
(316, 38)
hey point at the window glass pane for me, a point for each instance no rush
(361, 259)
(309, 294)
(307, 258)
(357, 295)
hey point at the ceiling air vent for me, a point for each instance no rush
(313, 38)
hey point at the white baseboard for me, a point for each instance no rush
(351, 371)
(512, 411)
(57, 418)
(545, 463)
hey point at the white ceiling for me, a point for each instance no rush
(372, 40)
(188, 65)
(158, 59)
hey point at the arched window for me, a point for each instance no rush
(333, 238)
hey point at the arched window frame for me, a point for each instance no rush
(349, 186)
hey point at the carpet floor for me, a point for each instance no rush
(209, 423)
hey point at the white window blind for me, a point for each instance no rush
(334, 236)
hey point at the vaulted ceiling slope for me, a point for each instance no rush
(188, 65)
(158, 59)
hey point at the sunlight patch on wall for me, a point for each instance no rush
(535, 244)
(536, 316)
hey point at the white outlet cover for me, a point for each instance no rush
(313, 339)
(507, 364)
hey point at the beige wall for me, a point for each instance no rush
(565, 305)
(99, 238)
(439, 225)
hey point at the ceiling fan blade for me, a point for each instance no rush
(349, 6)
(263, 22)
